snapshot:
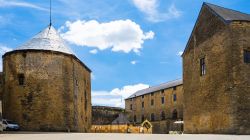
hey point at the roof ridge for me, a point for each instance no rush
(208, 4)
(154, 88)
(227, 14)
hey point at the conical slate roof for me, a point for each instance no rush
(48, 39)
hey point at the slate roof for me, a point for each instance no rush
(121, 119)
(157, 88)
(48, 39)
(228, 14)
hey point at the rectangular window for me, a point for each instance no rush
(142, 118)
(142, 96)
(174, 88)
(152, 102)
(131, 106)
(162, 100)
(152, 94)
(134, 118)
(86, 100)
(21, 79)
(152, 117)
(202, 67)
(246, 56)
(174, 97)
(142, 104)
(162, 91)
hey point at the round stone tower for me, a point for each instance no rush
(46, 87)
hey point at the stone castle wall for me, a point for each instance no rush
(212, 103)
(241, 74)
(55, 96)
(103, 115)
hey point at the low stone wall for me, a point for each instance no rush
(165, 126)
(119, 129)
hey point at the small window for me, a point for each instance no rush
(163, 115)
(162, 91)
(142, 118)
(202, 67)
(21, 79)
(152, 102)
(142, 96)
(131, 99)
(131, 106)
(142, 104)
(86, 100)
(76, 82)
(162, 100)
(246, 56)
(175, 114)
(152, 94)
(174, 97)
(152, 117)
(134, 118)
(174, 88)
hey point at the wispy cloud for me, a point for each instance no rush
(119, 35)
(150, 8)
(180, 53)
(3, 50)
(134, 62)
(9, 3)
(94, 51)
(116, 96)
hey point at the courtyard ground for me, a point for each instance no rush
(112, 136)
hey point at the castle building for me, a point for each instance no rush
(45, 87)
(162, 105)
(216, 73)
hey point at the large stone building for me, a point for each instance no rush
(162, 105)
(216, 73)
(45, 86)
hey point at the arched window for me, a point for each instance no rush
(175, 114)
(152, 117)
(162, 115)
(134, 118)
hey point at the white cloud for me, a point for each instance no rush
(116, 96)
(8, 3)
(119, 35)
(134, 62)
(94, 51)
(3, 50)
(93, 77)
(180, 53)
(150, 8)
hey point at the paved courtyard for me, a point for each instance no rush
(98, 136)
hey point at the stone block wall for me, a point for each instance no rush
(167, 107)
(217, 102)
(55, 95)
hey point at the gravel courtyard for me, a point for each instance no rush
(98, 136)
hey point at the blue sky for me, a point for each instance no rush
(128, 44)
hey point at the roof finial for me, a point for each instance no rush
(50, 22)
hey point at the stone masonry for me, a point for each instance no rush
(219, 100)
